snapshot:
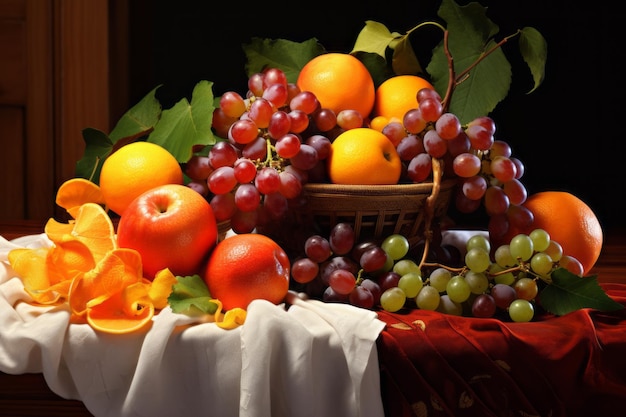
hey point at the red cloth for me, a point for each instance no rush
(574, 365)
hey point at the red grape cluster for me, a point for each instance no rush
(488, 172)
(275, 139)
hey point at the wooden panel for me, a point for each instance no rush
(11, 163)
(40, 145)
(82, 76)
(12, 47)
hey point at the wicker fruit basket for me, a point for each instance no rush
(377, 210)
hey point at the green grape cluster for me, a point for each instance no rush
(383, 274)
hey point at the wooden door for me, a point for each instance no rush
(57, 62)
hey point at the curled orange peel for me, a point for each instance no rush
(102, 284)
(75, 192)
(232, 319)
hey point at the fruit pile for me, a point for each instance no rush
(170, 177)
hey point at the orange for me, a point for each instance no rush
(340, 82)
(569, 221)
(246, 267)
(171, 226)
(363, 156)
(134, 169)
(397, 95)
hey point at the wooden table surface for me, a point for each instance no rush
(28, 395)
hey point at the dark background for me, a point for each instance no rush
(569, 133)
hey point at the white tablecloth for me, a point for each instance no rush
(311, 359)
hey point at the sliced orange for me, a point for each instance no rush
(116, 271)
(30, 264)
(92, 226)
(75, 192)
(127, 311)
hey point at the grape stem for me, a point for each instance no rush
(429, 208)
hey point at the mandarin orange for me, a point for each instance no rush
(340, 82)
(363, 156)
(134, 169)
(246, 267)
(569, 221)
(397, 95)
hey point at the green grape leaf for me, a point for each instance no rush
(139, 119)
(98, 146)
(283, 54)
(470, 36)
(404, 60)
(374, 38)
(534, 50)
(187, 125)
(569, 292)
(190, 296)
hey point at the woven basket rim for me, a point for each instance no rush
(373, 190)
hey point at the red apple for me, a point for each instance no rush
(171, 226)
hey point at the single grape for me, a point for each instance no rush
(247, 197)
(244, 170)
(448, 126)
(349, 119)
(405, 266)
(305, 101)
(388, 280)
(342, 238)
(361, 297)
(457, 289)
(222, 180)
(434, 144)
(299, 121)
(325, 119)
(477, 281)
(474, 187)
(198, 167)
(572, 264)
(540, 238)
(392, 299)
(260, 112)
(466, 165)
(317, 248)
(321, 144)
(373, 288)
(541, 264)
(413, 121)
(428, 298)
(521, 311)
(280, 125)
(395, 132)
(526, 288)
(420, 168)
(521, 247)
(477, 259)
(222, 154)
(396, 246)
(287, 145)
(276, 94)
(503, 256)
(430, 108)
(337, 262)
(244, 221)
(478, 241)
(503, 169)
(496, 201)
(373, 259)
(304, 270)
(290, 185)
(223, 206)
(554, 250)
(409, 147)
(447, 306)
(411, 284)
(267, 180)
(484, 306)
(342, 281)
(232, 104)
(306, 158)
(503, 295)
(439, 278)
